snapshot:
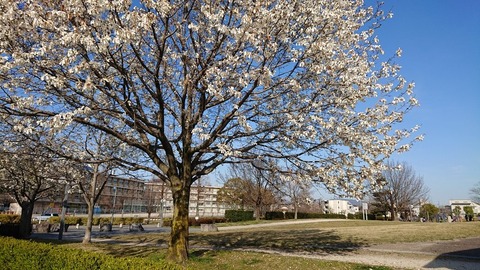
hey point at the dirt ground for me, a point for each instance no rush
(456, 254)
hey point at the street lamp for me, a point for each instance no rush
(114, 200)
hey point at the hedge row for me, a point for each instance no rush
(291, 215)
(238, 215)
(360, 216)
(8, 218)
(21, 254)
(167, 222)
(97, 220)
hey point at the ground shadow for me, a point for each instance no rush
(310, 241)
(456, 260)
(314, 241)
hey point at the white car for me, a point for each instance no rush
(44, 216)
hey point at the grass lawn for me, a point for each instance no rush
(222, 250)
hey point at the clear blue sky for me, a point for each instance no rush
(440, 40)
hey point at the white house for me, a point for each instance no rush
(463, 203)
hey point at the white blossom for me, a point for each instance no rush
(399, 52)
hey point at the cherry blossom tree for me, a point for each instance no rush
(92, 156)
(197, 84)
(28, 173)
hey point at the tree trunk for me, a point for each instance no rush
(26, 220)
(296, 211)
(87, 238)
(178, 243)
(393, 214)
(257, 213)
(90, 200)
(64, 210)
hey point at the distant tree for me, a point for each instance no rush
(233, 193)
(151, 201)
(429, 211)
(249, 187)
(378, 204)
(295, 191)
(456, 211)
(154, 197)
(94, 155)
(475, 192)
(468, 213)
(401, 188)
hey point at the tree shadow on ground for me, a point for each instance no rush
(311, 241)
(137, 244)
(138, 247)
(133, 251)
(461, 259)
(279, 240)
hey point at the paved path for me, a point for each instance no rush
(276, 224)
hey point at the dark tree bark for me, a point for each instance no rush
(178, 244)
(26, 219)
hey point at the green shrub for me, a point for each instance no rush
(360, 216)
(97, 220)
(279, 215)
(291, 215)
(238, 215)
(20, 254)
(73, 220)
(8, 218)
(205, 220)
(129, 220)
(167, 222)
(68, 220)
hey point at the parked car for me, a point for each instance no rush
(44, 217)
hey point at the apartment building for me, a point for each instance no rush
(127, 196)
(203, 200)
(339, 206)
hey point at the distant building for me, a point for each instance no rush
(463, 203)
(129, 196)
(344, 207)
(203, 200)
